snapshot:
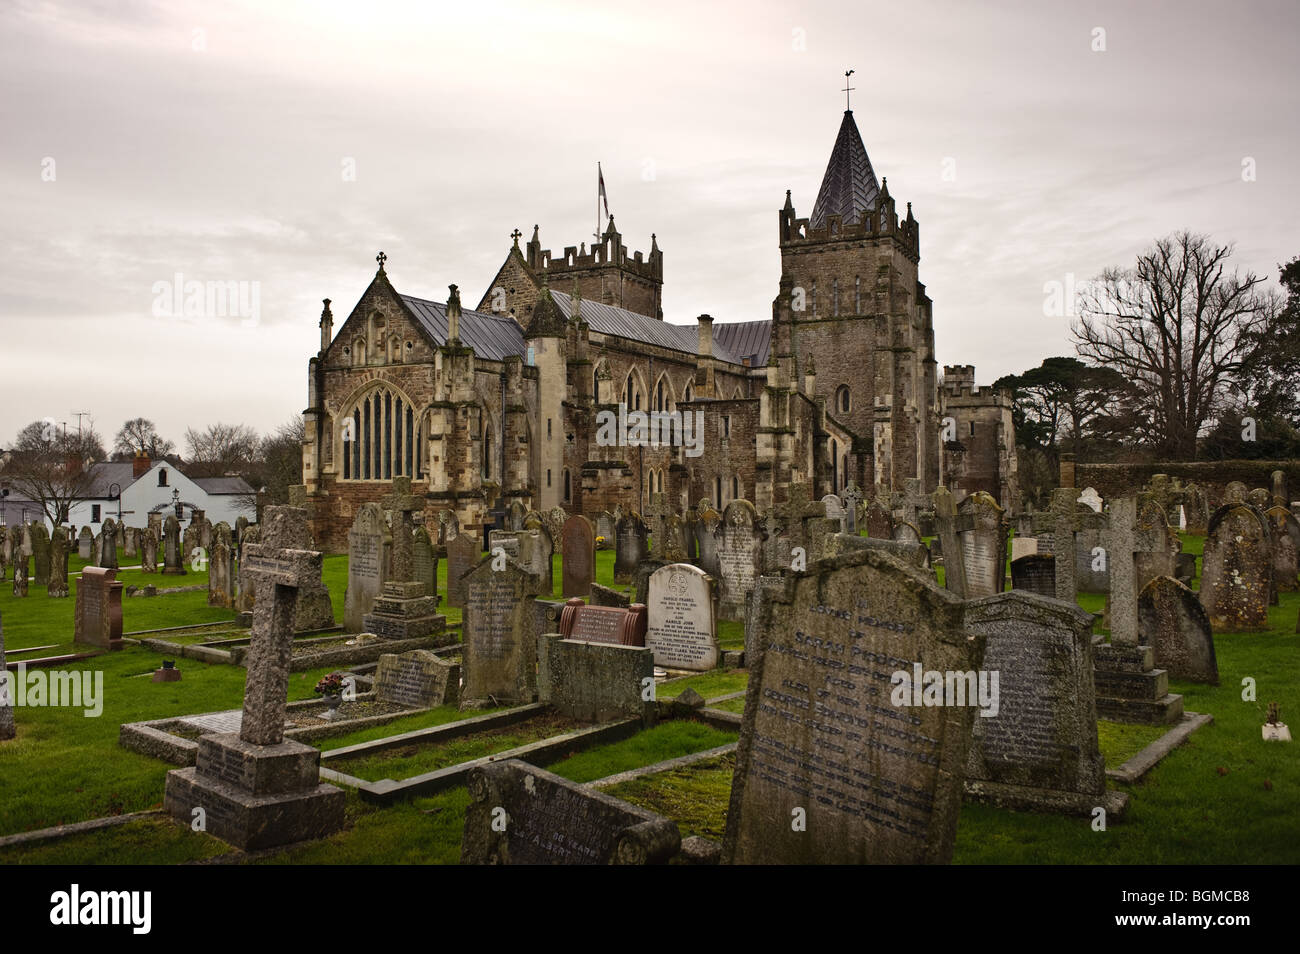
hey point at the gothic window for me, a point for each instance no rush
(378, 437)
(717, 492)
(857, 295)
(358, 352)
(567, 486)
(162, 477)
(632, 392)
(548, 428)
(548, 477)
(842, 399)
(726, 426)
(835, 461)
(735, 488)
(835, 296)
(595, 385)
(689, 393)
(487, 451)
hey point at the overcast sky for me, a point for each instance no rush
(140, 140)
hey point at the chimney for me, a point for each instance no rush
(706, 335)
(140, 466)
(73, 465)
(453, 316)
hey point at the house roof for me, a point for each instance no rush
(746, 339)
(492, 337)
(849, 188)
(216, 486)
(106, 473)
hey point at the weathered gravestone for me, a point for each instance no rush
(880, 522)
(20, 560)
(536, 549)
(221, 567)
(99, 608)
(256, 788)
(552, 821)
(424, 561)
(1091, 499)
(1236, 569)
(419, 679)
(1286, 547)
(500, 652)
(945, 526)
(7, 730)
(448, 526)
(286, 528)
(682, 630)
(1157, 545)
(1234, 492)
(156, 523)
(191, 548)
(1172, 621)
(595, 681)
(1035, 573)
(58, 571)
(6, 551)
(1260, 498)
(983, 538)
(605, 530)
(515, 515)
(132, 546)
(40, 551)
(173, 558)
(835, 511)
(739, 541)
(108, 545)
(462, 554)
(877, 783)
(85, 543)
(1023, 547)
(148, 551)
(630, 546)
(1037, 748)
(578, 556)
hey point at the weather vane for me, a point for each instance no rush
(847, 88)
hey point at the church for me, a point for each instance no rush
(484, 407)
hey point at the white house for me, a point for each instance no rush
(146, 487)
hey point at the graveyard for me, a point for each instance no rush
(535, 681)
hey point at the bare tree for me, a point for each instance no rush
(221, 449)
(53, 468)
(1177, 326)
(141, 434)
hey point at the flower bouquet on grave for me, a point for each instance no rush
(330, 688)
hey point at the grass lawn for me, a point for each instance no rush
(1223, 797)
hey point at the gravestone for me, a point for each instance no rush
(402, 611)
(173, 557)
(537, 547)
(190, 545)
(402, 505)
(675, 549)
(132, 546)
(40, 552)
(595, 681)
(1035, 573)
(1236, 570)
(1196, 508)
(1260, 499)
(99, 608)
(880, 522)
(1023, 547)
(1090, 498)
(58, 571)
(877, 783)
(1038, 751)
(682, 630)
(366, 565)
(553, 821)
(802, 523)
(20, 560)
(448, 526)
(241, 524)
(1286, 547)
(205, 531)
(419, 679)
(462, 554)
(286, 528)
(148, 551)
(835, 511)
(156, 523)
(739, 541)
(221, 567)
(1234, 492)
(945, 527)
(515, 515)
(85, 543)
(605, 531)
(424, 561)
(108, 545)
(630, 546)
(256, 788)
(908, 533)
(244, 597)
(500, 651)
(603, 624)
(577, 556)
(606, 596)
(6, 551)
(983, 545)
(7, 729)
(706, 540)
(1172, 621)
(852, 497)
(1157, 545)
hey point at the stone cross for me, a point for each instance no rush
(656, 515)
(773, 557)
(402, 503)
(516, 234)
(1065, 524)
(278, 573)
(1121, 545)
(954, 558)
(381, 258)
(800, 516)
(851, 497)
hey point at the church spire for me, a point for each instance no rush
(849, 187)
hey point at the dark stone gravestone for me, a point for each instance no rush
(40, 555)
(603, 624)
(880, 522)
(706, 540)
(682, 630)
(630, 546)
(1236, 570)
(58, 572)
(1172, 621)
(1286, 547)
(739, 541)
(256, 788)
(578, 556)
(424, 562)
(173, 558)
(1035, 573)
(108, 545)
(99, 608)
(221, 567)
(1185, 568)
(402, 611)
(552, 821)
(418, 680)
(595, 681)
(1037, 748)
(286, 528)
(500, 651)
(462, 553)
(822, 739)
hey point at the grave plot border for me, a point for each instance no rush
(1151, 756)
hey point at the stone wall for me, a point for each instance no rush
(1112, 480)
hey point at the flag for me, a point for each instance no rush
(600, 194)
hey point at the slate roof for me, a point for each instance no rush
(849, 188)
(106, 473)
(745, 339)
(223, 485)
(491, 336)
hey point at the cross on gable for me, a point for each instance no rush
(515, 235)
(381, 258)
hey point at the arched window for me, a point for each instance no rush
(835, 296)
(632, 392)
(162, 477)
(735, 488)
(844, 469)
(835, 462)
(843, 401)
(857, 295)
(382, 441)
(717, 492)
(568, 489)
(595, 386)
(689, 393)
(487, 451)
(358, 352)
